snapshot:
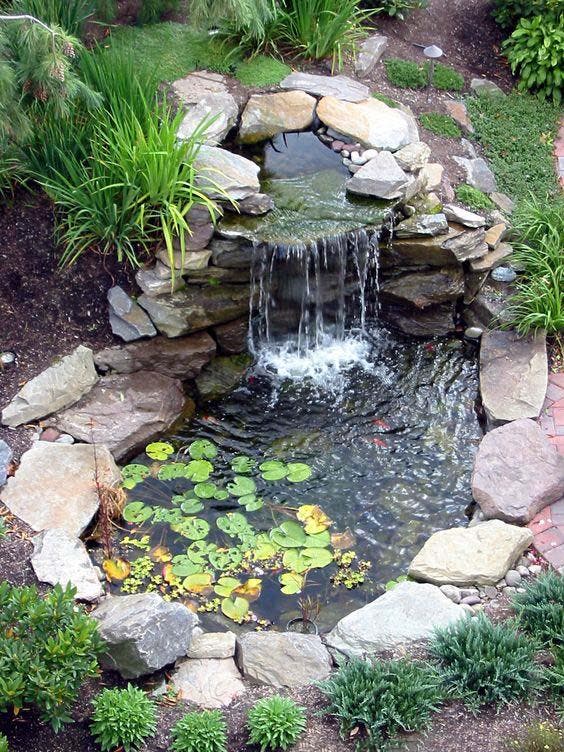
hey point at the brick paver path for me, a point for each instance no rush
(548, 525)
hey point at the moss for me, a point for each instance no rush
(473, 198)
(387, 100)
(441, 125)
(262, 71)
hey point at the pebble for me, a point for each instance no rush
(358, 159)
(491, 591)
(345, 153)
(352, 147)
(337, 145)
(513, 578)
(509, 590)
(354, 168)
(504, 274)
(64, 438)
(535, 569)
(7, 358)
(369, 154)
(347, 161)
(451, 592)
(471, 600)
(50, 434)
(473, 332)
(501, 584)
(523, 570)
(465, 592)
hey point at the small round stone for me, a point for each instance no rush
(523, 571)
(337, 145)
(513, 578)
(509, 590)
(7, 358)
(520, 590)
(491, 591)
(465, 592)
(473, 332)
(535, 569)
(504, 274)
(471, 600)
(345, 153)
(369, 154)
(451, 592)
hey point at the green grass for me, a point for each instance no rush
(446, 78)
(407, 74)
(387, 100)
(473, 198)
(441, 125)
(262, 71)
(517, 132)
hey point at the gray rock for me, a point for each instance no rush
(413, 157)
(473, 332)
(459, 113)
(467, 245)
(517, 472)
(465, 592)
(190, 261)
(522, 570)
(255, 204)
(143, 633)
(432, 174)
(154, 285)
(381, 177)
(483, 86)
(221, 376)
(61, 559)
(504, 274)
(369, 54)
(125, 411)
(513, 375)
(437, 320)
(503, 202)
(489, 306)
(5, 459)
(493, 259)
(463, 216)
(424, 289)
(128, 321)
(232, 254)
(208, 682)
(266, 115)
(205, 96)
(491, 592)
(470, 600)
(451, 592)
(418, 252)
(57, 387)
(286, 659)
(407, 614)
(478, 174)
(535, 569)
(422, 225)
(221, 174)
(55, 487)
(340, 87)
(200, 229)
(513, 578)
(232, 338)
(212, 644)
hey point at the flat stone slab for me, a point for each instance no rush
(422, 225)
(513, 375)
(380, 177)
(368, 57)
(493, 259)
(212, 644)
(224, 175)
(205, 96)
(478, 555)
(55, 486)
(463, 216)
(128, 321)
(56, 387)
(340, 87)
(517, 472)
(61, 559)
(266, 115)
(283, 659)
(407, 614)
(424, 289)
(208, 682)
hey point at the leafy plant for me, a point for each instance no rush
(484, 663)
(508, 12)
(122, 718)
(381, 699)
(445, 77)
(405, 73)
(540, 609)
(200, 732)
(275, 723)
(69, 15)
(473, 198)
(4, 744)
(399, 8)
(387, 100)
(442, 125)
(245, 23)
(262, 71)
(48, 647)
(151, 11)
(540, 737)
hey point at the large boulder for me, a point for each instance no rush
(517, 472)
(424, 289)
(407, 614)
(221, 174)
(127, 320)
(340, 87)
(62, 559)
(55, 485)
(372, 123)
(205, 97)
(143, 633)
(125, 411)
(283, 659)
(513, 375)
(208, 682)
(57, 387)
(478, 555)
(266, 115)
(380, 177)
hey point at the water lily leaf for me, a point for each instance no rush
(199, 551)
(319, 540)
(273, 470)
(292, 583)
(205, 490)
(298, 472)
(191, 506)
(198, 582)
(343, 540)
(193, 528)
(182, 566)
(308, 558)
(226, 585)
(250, 502)
(264, 548)
(241, 486)
(136, 511)
(202, 449)
(170, 516)
(250, 590)
(226, 558)
(221, 494)
(314, 518)
(294, 560)
(159, 450)
(160, 554)
(243, 464)
(198, 470)
(169, 576)
(288, 535)
(116, 569)
(133, 474)
(172, 470)
(235, 608)
(232, 523)
(390, 585)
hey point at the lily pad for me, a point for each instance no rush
(198, 471)
(182, 566)
(273, 470)
(289, 535)
(116, 569)
(243, 464)
(226, 558)
(198, 582)
(319, 540)
(235, 608)
(221, 495)
(292, 583)
(250, 590)
(199, 551)
(133, 474)
(241, 486)
(172, 470)
(298, 472)
(307, 558)
(191, 506)
(136, 511)
(193, 528)
(160, 554)
(232, 523)
(314, 518)
(264, 548)
(205, 490)
(202, 449)
(159, 450)
(250, 502)
(226, 585)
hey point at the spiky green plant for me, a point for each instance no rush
(122, 718)
(200, 732)
(245, 23)
(275, 723)
(540, 609)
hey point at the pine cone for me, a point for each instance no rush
(68, 50)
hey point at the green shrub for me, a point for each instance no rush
(484, 663)
(69, 15)
(106, 10)
(540, 609)
(381, 699)
(399, 8)
(275, 723)
(48, 647)
(540, 737)
(473, 198)
(442, 125)
(245, 24)
(508, 12)
(151, 11)
(122, 718)
(262, 71)
(3, 744)
(405, 74)
(200, 732)
(446, 78)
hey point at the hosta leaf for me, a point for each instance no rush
(202, 449)
(198, 582)
(205, 490)
(243, 464)
(289, 535)
(235, 608)
(292, 583)
(298, 472)
(159, 450)
(314, 518)
(273, 470)
(226, 585)
(241, 486)
(133, 474)
(136, 511)
(116, 569)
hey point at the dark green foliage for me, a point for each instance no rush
(245, 24)
(48, 647)
(200, 732)
(446, 78)
(540, 609)
(399, 8)
(540, 737)
(441, 125)
(262, 71)
(405, 74)
(151, 11)
(555, 678)
(275, 723)
(382, 699)
(485, 663)
(508, 12)
(387, 100)
(473, 198)
(106, 10)
(69, 15)
(3, 744)
(122, 718)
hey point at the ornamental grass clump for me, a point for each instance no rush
(122, 718)
(276, 723)
(200, 732)
(3, 744)
(540, 609)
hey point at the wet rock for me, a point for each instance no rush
(205, 96)
(463, 216)
(5, 459)
(285, 659)
(478, 174)
(369, 54)
(125, 411)
(424, 251)
(432, 174)
(189, 262)
(222, 376)
(340, 87)
(489, 305)
(154, 285)
(467, 245)
(407, 614)
(221, 174)
(413, 157)
(232, 254)
(517, 472)
(266, 115)
(181, 358)
(61, 559)
(127, 320)
(513, 375)
(473, 332)
(232, 338)
(422, 225)
(381, 177)
(435, 321)
(483, 86)
(211, 644)
(215, 275)
(459, 113)
(423, 289)
(493, 259)
(143, 633)
(473, 555)
(257, 203)
(208, 682)
(54, 486)
(58, 386)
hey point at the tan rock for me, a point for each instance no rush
(208, 682)
(493, 259)
(432, 172)
(495, 234)
(268, 114)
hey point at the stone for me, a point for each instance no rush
(127, 320)
(513, 578)
(369, 54)
(283, 659)
(483, 86)
(473, 332)
(535, 569)
(432, 175)
(208, 682)
(58, 386)
(206, 97)
(372, 123)
(522, 570)
(142, 633)
(232, 338)
(490, 592)
(451, 592)
(463, 216)
(422, 225)
(489, 305)
(467, 245)
(503, 202)
(59, 558)
(216, 275)
(192, 260)
(5, 460)
(196, 308)
(435, 321)
(212, 644)
(465, 592)
(406, 614)
(255, 204)
(513, 375)
(424, 289)
(517, 472)
(478, 174)
(470, 600)
(221, 376)
(340, 87)
(181, 358)
(459, 113)
(495, 235)
(493, 259)
(381, 177)
(479, 555)
(55, 486)
(154, 285)
(221, 174)
(266, 115)
(413, 157)
(124, 412)
(422, 251)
